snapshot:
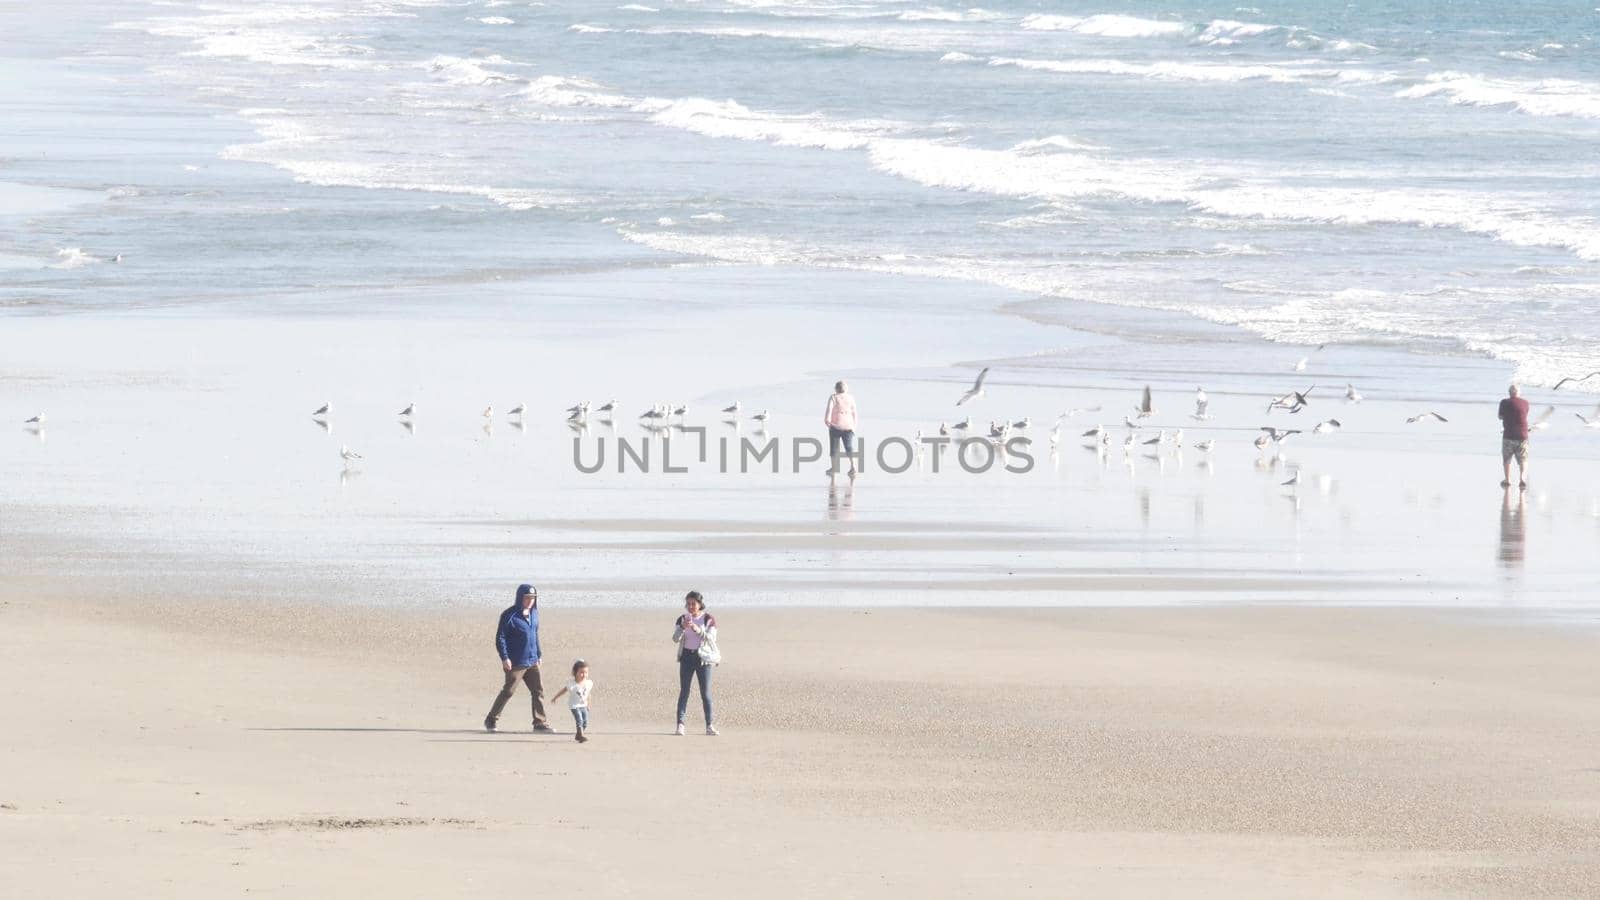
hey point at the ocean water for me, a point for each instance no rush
(1418, 175)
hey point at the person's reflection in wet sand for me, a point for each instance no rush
(1513, 528)
(841, 503)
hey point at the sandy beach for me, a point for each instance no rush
(177, 747)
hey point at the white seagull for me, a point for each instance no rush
(36, 420)
(1160, 438)
(731, 410)
(581, 406)
(1590, 421)
(1294, 401)
(1427, 415)
(760, 416)
(488, 412)
(1203, 446)
(1021, 423)
(1200, 404)
(944, 430)
(977, 388)
(1055, 434)
(681, 410)
(1543, 421)
(1276, 436)
(1351, 395)
(962, 425)
(610, 407)
(410, 410)
(349, 455)
(1096, 431)
(521, 408)
(1325, 427)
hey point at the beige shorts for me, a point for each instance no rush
(1510, 448)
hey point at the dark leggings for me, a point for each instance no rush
(689, 668)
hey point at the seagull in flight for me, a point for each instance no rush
(1325, 427)
(1146, 407)
(1276, 436)
(1574, 380)
(1543, 421)
(1294, 401)
(1427, 415)
(1293, 479)
(1590, 421)
(977, 388)
(1304, 361)
(323, 410)
(410, 410)
(1351, 395)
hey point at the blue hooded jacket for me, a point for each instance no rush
(517, 638)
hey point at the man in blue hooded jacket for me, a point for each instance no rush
(517, 640)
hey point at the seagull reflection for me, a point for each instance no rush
(347, 475)
(1144, 506)
(324, 424)
(488, 428)
(518, 424)
(409, 425)
(1513, 529)
(37, 431)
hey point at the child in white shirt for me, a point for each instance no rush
(577, 691)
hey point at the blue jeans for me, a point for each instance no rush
(837, 437)
(689, 668)
(580, 715)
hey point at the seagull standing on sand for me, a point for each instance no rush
(521, 408)
(962, 425)
(1203, 446)
(36, 420)
(609, 408)
(1351, 395)
(323, 410)
(944, 430)
(1055, 434)
(1096, 431)
(348, 455)
(409, 411)
(731, 410)
(1022, 423)
(1201, 401)
(976, 390)
(761, 417)
(1427, 415)
(1159, 439)
(488, 412)
(1146, 407)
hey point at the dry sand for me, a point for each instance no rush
(163, 747)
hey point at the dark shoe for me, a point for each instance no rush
(1505, 484)
(542, 728)
(1523, 485)
(488, 724)
(582, 738)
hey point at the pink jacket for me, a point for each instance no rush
(841, 413)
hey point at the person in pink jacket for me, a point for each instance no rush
(840, 418)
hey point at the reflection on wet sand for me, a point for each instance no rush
(1513, 528)
(841, 504)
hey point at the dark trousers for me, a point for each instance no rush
(689, 668)
(530, 677)
(836, 438)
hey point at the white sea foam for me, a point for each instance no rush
(74, 257)
(555, 90)
(1105, 25)
(590, 29)
(495, 20)
(636, 7)
(1544, 97)
(1052, 144)
(709, 217)
(728, 119)
(461, 70)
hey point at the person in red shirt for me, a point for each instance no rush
(1514, 438)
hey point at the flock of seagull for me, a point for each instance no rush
(659, 417)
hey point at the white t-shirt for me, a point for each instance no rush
(578, 693)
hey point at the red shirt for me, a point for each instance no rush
(1514, 413)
